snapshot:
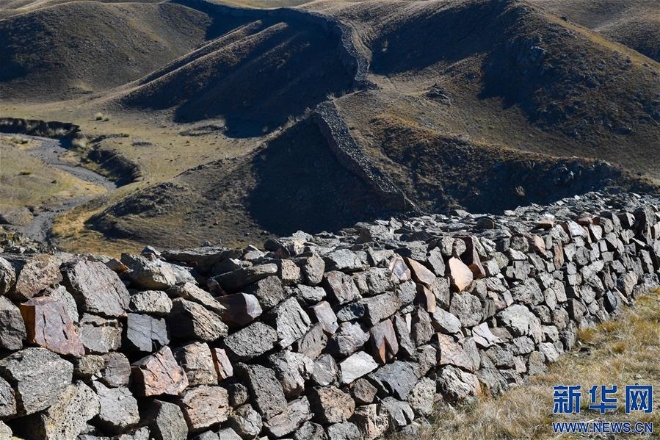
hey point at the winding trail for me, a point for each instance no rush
(50, 150)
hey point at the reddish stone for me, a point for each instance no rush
(159, 374)
(49, 326)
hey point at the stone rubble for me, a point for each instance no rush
(350, 335)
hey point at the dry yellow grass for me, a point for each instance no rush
(621, 352)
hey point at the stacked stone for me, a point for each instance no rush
(331, 336)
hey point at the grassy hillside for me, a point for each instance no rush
(623, 351)
(83, 47)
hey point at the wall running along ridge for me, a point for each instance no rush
(331, 336)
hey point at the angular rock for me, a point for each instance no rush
(313, 269)
(246, 421)
(310, 431)
(189, 320)
(236, 280)
(96, 289)
(88, 366)
(325, 370)
(116, 370)
(145, 334)
(467, 308)
(451, 353)
(363, 391)
(420, 273)
(369, 422)
(153, 302)
(422, 327)
(197, 361)
(331, 405)
(384, 344)
(228, 434)
(223, 366)
(100, 335)
(517, 318)
(119, 409)
(250, 342)
(396, 379)
(340, 287)
(7, 400)
(311, 295)
(326, 317)
(38, 273)
(296, 413)
(483, 337)
(291, 322)
(400, 272)
(7, 276)
(191, 292)
(166, 421)
(343, 260)
(402, 325)
(241, 309)
(399, 413)
(268, 291)
(38, 377)
(344, 431)
(457, 385)
(204, 406)
(266, 391)
(460, 274)
(422, 397)
(356, 366)
(12, 326)
(292, 369)
(149, 274)
(381, 307)
(67, 418)
(60, 294)
(445, 322)
(313, 343)
(159, 374)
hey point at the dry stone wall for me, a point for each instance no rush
(327, 336)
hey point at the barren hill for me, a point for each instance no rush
(318, 116)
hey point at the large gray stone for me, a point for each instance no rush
(189, 320)
(7, 276)
(268, 291)
(445, 322)
(145, 334)
(291, 322)
(38, 376)
(296, 413)
(119, 409)
(191, 292)
(292, 369)
(12, 327)
(100, 335)
(197, 361)
(381, 307)
(250, 342)
(204, 406)
(457, 385)
(396, 379)
(356, 366)
(331, 405)
(467, 308)
(266, 390)
(153, 302)
(68, 417)
(246, 421)
(97, 289)
(147, 273)
(236, 280)
(166, 421)
(37, 274)
(340, 287)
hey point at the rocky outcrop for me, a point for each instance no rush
(349, 335)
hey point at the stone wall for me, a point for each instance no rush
(353, 59)
(340, 336)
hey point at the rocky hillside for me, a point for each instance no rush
(350, 335)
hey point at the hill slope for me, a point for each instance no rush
(82, 47)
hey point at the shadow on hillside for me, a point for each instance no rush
(288, 69)
(301, 186)
(448, 35)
